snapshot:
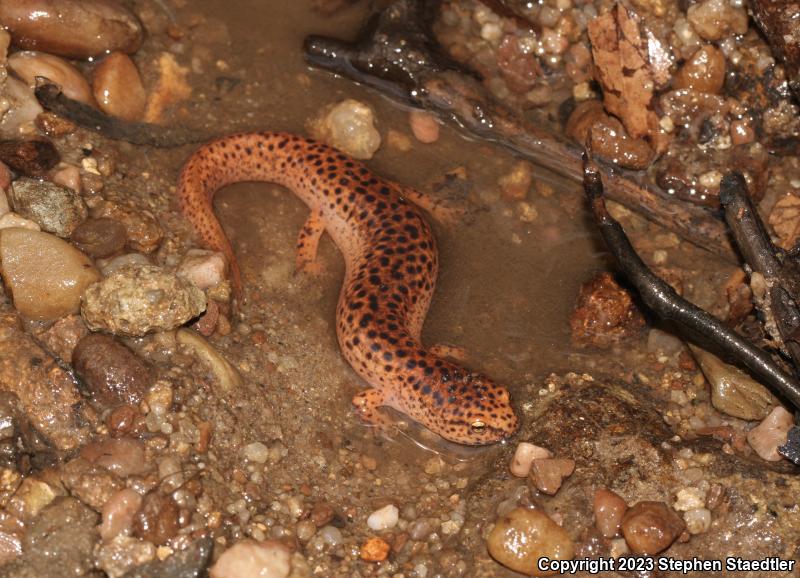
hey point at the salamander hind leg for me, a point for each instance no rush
(307, 243)
(445, 212)
(369, 405)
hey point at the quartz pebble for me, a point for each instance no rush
(523, 458)
(651, 527)
(384, 518)
(523, 536)
(45, 275)
(350, 127)
(609, 509)
(118, 89)
(137, 300)
(771, 433)
(256, 452)
(716, 19)
(71, 28)
(54, 208)
(29, 65)
(251, 559)
(23, 108)
(205, 269)
(698, 520)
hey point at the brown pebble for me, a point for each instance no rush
(118, 87)
(609, 509)
(703, 72)
(547, 474)
(523, 536)
(374, 550)
(53, 125)
(99, 238)
(32, 158)
(516, 183)
(605, 314)
(122, 420)
(322, 513)
(607, 137)
(651, 527)
(157, 520)
(205, 429)
(112, 373)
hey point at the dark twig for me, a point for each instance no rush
(51, 98)
(666, 303)
(759, 253)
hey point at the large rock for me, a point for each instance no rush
(48, 394)
(141, 299)
(55, 209)
(45, 275)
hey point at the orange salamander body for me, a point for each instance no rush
(391, 265)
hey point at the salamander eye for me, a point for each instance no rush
(478, 426)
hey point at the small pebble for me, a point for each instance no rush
(15, 221)
(30, 157)
(99, 238)
(350, 127)
(124, 456)
(204, 269)
(112, 373)
(523, 458)
(118, 513)
(56, 209)
(157, 520)
(251, 559)
(523, 536)
(374, 550)
(771, 433)
(698, 521)
(609, 509)
(118, 89)
(651, 527)
(547, 474)
(29, 64)
(424, 126)
(384, 518)
(256, 452)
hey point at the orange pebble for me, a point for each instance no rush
(374, 550)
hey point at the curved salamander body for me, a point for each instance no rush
(391, 266)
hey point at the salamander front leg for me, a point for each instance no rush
(307, 244)
(451, 352)
(445, 212)
(369, 405)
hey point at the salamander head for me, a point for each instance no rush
(466, 408)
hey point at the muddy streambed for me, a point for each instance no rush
(229, 443)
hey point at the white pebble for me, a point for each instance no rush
(771, 433)
(690, 499)
(250, 559)
(383, 519)
(698, 520)
(204, 269)
(524, 456)
(256, 452)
